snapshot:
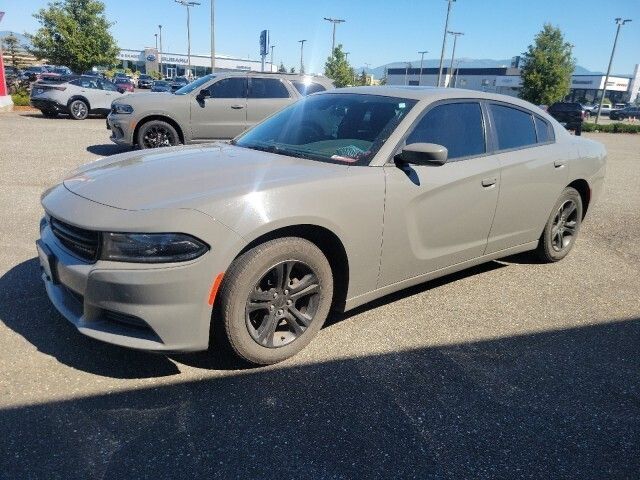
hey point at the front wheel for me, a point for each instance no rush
(156, 133)
(562, 228)
(274, 299)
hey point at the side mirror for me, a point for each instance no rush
(202, 94)
(424, 154)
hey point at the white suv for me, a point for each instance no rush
(78, 96)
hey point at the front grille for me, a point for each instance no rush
(82, 243)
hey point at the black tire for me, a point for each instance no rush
(156, 134)
(49, 113)
(562, 228)
(249, 309)
(78, 109)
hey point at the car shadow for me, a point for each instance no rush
(107, 149)
(554, 404)
(36, 320)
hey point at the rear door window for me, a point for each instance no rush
(307, 88)
(267, 88)
(457, 126)
(85, 83)
(514, 128)
(229, 88)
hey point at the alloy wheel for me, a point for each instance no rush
(158, 136)
(282, 304)
(79, 109)
(565, 226)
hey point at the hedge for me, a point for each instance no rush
(611, 128)
(20, 98)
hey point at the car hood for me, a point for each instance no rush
(198, 177)
(152, 98)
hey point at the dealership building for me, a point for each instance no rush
(176, 64)
(507, 81)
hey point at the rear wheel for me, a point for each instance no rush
(274, 299)
(79, 110)
(156, 133)
(562, 228)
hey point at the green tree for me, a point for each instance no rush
(548, 65)
(74, 33)
(282, 68)
(12, 46)
(338, 69)
(292, 70)
(362, 80)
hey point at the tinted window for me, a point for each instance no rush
(457, 126)
(545, 134)
(514, 128)
(108, 86)
(229, 88)
(267, 88)
(307, 88)
(85, 83)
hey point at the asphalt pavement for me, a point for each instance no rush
(513, 369)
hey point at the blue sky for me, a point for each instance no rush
(376, 31)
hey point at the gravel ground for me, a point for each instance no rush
(509, 370)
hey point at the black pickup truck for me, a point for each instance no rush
(571, 115)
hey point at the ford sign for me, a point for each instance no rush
(151, 58)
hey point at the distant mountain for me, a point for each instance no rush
(378, 72)
(24, 41)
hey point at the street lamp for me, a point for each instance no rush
(444, 39)
(335, 21)
(453, 53)
(272, 47)
(421, 60)
(188, 4)
(620, 22)
(346, 56)
(301, 42)
(160, 51)
(156, 35)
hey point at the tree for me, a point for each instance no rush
(282, 68)
(292, 70)
(12, 46)
(74, 33)
(548, 65)
(337, 68)
(363, 80)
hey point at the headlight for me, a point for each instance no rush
(151, 247)
(122, 108)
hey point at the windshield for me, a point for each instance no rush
(194, 85)
(339, 128)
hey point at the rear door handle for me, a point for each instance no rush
(489, 182)
(558, 164)
(237, 107)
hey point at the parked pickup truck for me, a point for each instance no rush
(571, 115)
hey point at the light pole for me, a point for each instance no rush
(160, 51)
(453, 53)
(335, 21)
(346, 56)
(620, 22)
(272, 47)
(444, 39)
(406, 73)
(188, 4)
(156, 35)
(301, 42)
(213, 38)
(421, 60)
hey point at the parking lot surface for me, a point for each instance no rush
(513, 369)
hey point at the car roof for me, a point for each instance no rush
(431, 94)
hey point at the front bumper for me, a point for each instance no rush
(122, 128)
(155, 307)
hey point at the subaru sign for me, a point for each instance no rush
(151, 57)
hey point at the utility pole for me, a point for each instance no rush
(444, 39)
(335, 21)
(620, 22)
(453, 53)
(301, 42)
(272, 47)
(188, 4)
(421, 60)
(160, 51)
(213, 38)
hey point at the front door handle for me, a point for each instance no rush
(237, 107)
(558, 164)
(489, 181)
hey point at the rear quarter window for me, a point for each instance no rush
(544, 131)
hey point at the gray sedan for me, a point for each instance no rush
(339, 199)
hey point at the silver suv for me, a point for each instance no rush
(214, 107)
(76, 95)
